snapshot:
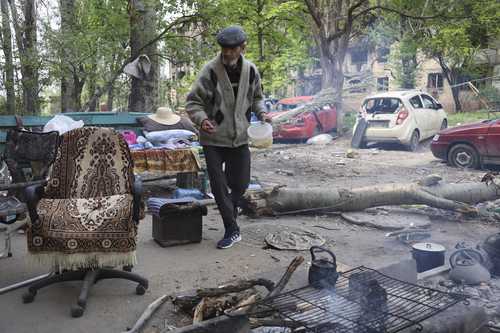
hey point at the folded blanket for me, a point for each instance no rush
(165, 136)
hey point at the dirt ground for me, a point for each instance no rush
(113, 305)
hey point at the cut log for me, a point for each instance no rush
(198, 311)
(280, 201)
(210, 307)
(235, 287)
(150, 310)
(246, 302)
(296, 262)
(186, 303)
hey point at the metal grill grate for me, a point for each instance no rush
(363, 300)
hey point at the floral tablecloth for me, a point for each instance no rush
(166, 161)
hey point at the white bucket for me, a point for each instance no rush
(260, 134)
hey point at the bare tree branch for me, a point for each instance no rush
(314, 14)
(393, 10)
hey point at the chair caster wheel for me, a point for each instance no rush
(77, 311)
(140, 290)
(29, 296)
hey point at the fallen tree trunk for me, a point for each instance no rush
(456, 197)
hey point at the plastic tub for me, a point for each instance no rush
(260, 134)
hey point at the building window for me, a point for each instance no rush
(383, 83)
(435, 81)
(383, 54)
(359, 56)
(356, 86)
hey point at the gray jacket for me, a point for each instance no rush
(212, 97)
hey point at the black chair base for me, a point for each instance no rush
(89, 277)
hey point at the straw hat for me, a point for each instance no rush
(165, 115)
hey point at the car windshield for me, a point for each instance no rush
(382, 105)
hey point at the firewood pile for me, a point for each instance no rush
(238, 298)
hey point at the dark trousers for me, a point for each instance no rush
(235, 176)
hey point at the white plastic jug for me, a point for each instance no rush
(260, 134)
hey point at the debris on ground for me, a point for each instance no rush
(285, 172)
(430, 180)
(321, 139)
(146, 315)
(237, 298)
(296, 239)
(350, 153)
(387, 219)
(410, 235)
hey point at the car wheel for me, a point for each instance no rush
(444, 124)
(463, 156)
(414, 141)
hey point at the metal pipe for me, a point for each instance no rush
(24, 283)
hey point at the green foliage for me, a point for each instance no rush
(92, 48)
(462, 118)
(403, 62)
(455, 41)
(278, 41)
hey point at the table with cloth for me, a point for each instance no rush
(166, 161)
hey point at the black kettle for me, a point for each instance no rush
(323, 272)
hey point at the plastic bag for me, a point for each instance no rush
(321, 139)
(62, 124)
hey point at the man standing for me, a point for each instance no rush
(221, 101)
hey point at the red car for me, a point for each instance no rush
(305, 125)
(293, 102)
(469, 146)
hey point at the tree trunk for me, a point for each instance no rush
(7, 51)
(69, 91)
(28, 55)
(333, 78)
(455, 92)
(91, 90)
(30, 72)
(451, 77)
(110, 100)
(406, 69)
(79, 83)
(144, 93)
(455, 197)
(260, 38)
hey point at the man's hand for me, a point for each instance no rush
(207, 126)
(265, 118)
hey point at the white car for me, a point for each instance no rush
(405, 117)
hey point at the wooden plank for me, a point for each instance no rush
(89, 118)
(117, 120)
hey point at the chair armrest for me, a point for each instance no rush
(137, 205)
(13, 186)
(33, 195)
